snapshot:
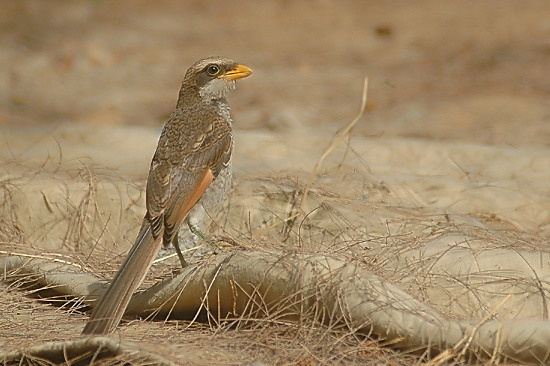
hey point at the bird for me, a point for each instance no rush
(190, 173)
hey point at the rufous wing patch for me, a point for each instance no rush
(197, 194)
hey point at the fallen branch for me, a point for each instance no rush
(87, 351)
(247, 286)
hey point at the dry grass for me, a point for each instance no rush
(267, 337)
(328, 227)
(32, 317)
(88, 216)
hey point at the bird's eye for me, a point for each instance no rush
(212, 70)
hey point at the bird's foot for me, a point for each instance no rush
(215, 242)
(211, 242)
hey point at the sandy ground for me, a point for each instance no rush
(467, 79)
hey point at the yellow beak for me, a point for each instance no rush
(238, 72)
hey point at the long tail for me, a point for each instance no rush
(110, 308)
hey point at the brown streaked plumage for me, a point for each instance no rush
(192, 164)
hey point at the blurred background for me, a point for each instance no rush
(85, 86)
(468, 70)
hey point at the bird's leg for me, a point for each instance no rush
(176, 244)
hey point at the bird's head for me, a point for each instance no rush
(213, 77)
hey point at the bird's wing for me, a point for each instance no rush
(175, 184)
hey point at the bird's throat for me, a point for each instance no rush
(216, 89)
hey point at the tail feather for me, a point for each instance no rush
(112, 305)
